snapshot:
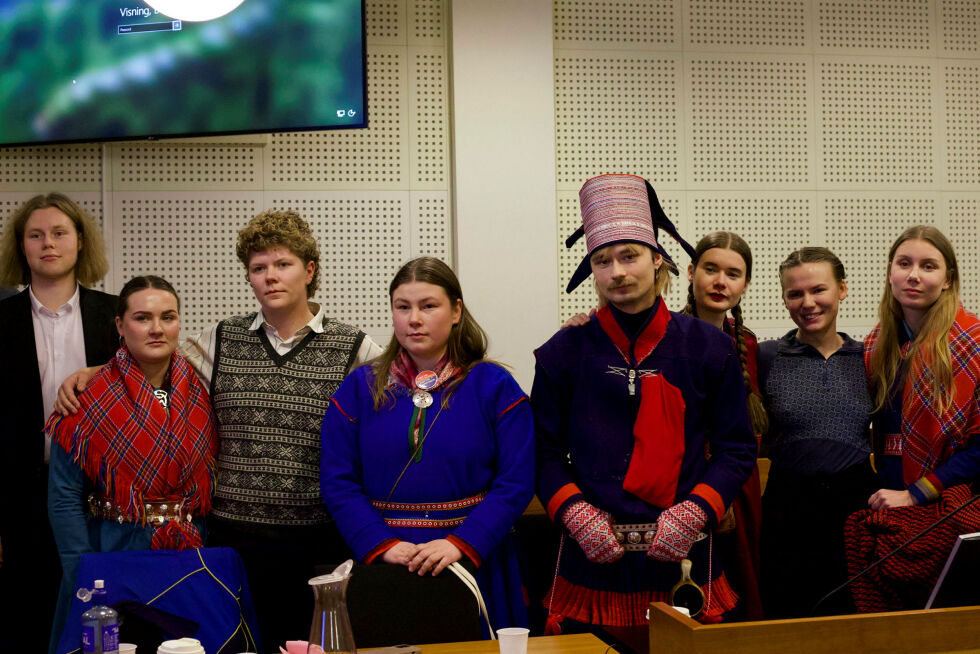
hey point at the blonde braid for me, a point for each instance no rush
(757, 412)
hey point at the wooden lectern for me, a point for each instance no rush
(936, 630)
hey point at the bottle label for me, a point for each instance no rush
(110, 638)
(88, 639)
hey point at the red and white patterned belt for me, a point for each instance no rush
(893, 445)
(433, 514)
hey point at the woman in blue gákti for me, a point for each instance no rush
(428, 452)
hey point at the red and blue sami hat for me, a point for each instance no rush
(620, 209)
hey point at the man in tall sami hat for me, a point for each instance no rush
(643, 437)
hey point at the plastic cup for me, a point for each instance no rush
(181, 646)
(512, 640)
(127, 648)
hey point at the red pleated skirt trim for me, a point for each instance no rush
(614, 609)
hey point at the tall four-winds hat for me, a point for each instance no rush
(620, 209)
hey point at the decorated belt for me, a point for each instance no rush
(427, 514)
(893, 445)
(156, 512)
(638, 536)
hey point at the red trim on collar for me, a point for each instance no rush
(648, 339)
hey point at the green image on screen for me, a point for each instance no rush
(86, 70)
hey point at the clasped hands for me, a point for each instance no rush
(677, 530)
(433, 556)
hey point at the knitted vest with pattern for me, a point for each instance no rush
(269, 409)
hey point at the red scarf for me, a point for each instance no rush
(928, 438)
(134, 449)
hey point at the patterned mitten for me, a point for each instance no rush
(677, 529)
(593, 531)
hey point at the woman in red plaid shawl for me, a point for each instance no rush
(134, 468)
(923, 365)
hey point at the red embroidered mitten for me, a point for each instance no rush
(677, 529)
(593, 531)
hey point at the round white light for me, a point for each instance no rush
(194, 10)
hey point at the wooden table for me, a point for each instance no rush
(565, 644)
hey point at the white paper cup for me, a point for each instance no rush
(181, 646)
(127, 648)
(512, 640)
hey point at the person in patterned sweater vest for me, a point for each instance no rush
(627, 408)
(271, 374)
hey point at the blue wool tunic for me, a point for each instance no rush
(585, 420)
(483, 443)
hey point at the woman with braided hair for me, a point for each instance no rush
(813, 383)
(719, 274)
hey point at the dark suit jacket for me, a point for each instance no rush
(24, 526)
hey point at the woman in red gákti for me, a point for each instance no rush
(923, 365)
(138, 456)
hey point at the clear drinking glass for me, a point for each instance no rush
(331, 630)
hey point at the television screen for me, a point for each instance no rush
(91, 70)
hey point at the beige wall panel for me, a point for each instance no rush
(962, 211)
(876, 123)
(747, 26)
(68, 168)
(873, 27)
(428, 109)
(617, 24)
(749, 122)
(959, 28)
(961, 104)
(175, 167)
(385, 22)
(431, 225)
(618, 113)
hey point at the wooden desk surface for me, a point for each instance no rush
(565, 644)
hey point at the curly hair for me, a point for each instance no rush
(278, 228)
(91, 265)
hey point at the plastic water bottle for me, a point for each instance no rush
(100, 624)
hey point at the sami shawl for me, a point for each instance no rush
(134, 449)
(928, 439)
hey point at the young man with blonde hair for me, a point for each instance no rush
(51, 328)
(643, 436)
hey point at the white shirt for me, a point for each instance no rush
(199, 350)
(60, 343)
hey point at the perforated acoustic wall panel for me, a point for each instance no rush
(374, 197)
(790, 122)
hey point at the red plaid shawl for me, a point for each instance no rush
(928, 439)
(135, 450)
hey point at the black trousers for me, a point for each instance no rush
(279, 561)
(802, 546)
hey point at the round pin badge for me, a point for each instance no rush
(421, 399)
(426, 380)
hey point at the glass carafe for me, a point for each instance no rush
(331, 631)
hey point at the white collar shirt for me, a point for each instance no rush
(60, 343)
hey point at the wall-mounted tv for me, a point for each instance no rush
(96, 70)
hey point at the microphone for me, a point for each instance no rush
(884, 558)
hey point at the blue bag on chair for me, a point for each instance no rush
(207, 586)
